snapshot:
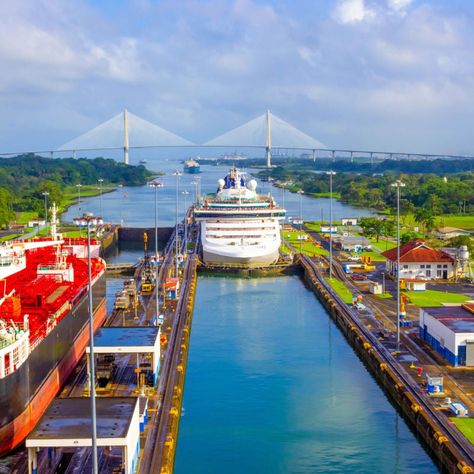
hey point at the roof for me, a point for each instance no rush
(417, 251)
(456, 318)
(448, 230)
(70, 418)
(126, 339)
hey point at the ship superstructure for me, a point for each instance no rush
(192, 166)
(238, 225)
(43, 325)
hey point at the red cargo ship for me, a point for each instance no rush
(43, 325)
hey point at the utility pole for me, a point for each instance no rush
(331, 174)
(398, 184)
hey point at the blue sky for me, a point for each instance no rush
(374, 74)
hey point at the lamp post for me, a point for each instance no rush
(177, 174)
(88, 220)
(156, 185)
(331, 174)
(45, 194)
(185, 194)
(301, 192)
(78, 186)
(100, 180)
(398, 184)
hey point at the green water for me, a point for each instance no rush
(273, 387)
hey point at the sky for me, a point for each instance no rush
(371, 74)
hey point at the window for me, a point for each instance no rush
(428, 273)
(438, 273)
(428, 266)
(422, 266)
(438, 266)
(405, 267)
(445, 266)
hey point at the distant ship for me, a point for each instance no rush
(143, 162)
(43, 325)
(192, 166)
(234, 157)
(238, 225)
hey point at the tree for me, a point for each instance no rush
(372, 226)
(6, 207)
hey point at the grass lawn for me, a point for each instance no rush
(314, 226)
(341, 290)
(74, 233)
(434, 298)
(465, 426)
(375, 256)
(9, 237)
(87, 190)
(326, 195)
(384, 296)
(383, 244)
(284, 249)
(26, 216)
(307, 246)
(461, 222)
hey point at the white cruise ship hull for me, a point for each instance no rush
(240, 256)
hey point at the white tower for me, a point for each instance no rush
(269, 141)
(54, 221)
(125, 136)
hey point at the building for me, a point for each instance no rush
(419, 260)
(446, 233)
(36, 223)
(351, 243)
(326, 229)
(349, 221)
(450, 331)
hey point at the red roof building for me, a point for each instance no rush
(419, 260)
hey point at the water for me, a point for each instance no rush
(134, 206)
(273, 387)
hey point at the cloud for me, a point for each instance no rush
(399, 5)
(372, 74)
(353, 11)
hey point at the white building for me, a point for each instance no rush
(349, 221)
(446, 233)
(419, 260)
(450, 331)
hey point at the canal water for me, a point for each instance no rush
(134, 206)
(273, 387)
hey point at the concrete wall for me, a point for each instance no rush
(135, 234)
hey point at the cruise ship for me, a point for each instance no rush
(238, 225)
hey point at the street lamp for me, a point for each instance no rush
(398, 184)
(331, 174)
(100, 180)
(185, 194)
(301, 192)
(89, 220)
(78, 186)
(177, 174)
(156, 185)
(45, 194)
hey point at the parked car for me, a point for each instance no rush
(359, 276)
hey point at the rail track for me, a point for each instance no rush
(456, 438)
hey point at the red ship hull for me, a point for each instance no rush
(15, 431)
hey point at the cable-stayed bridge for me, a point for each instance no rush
(126, 131)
